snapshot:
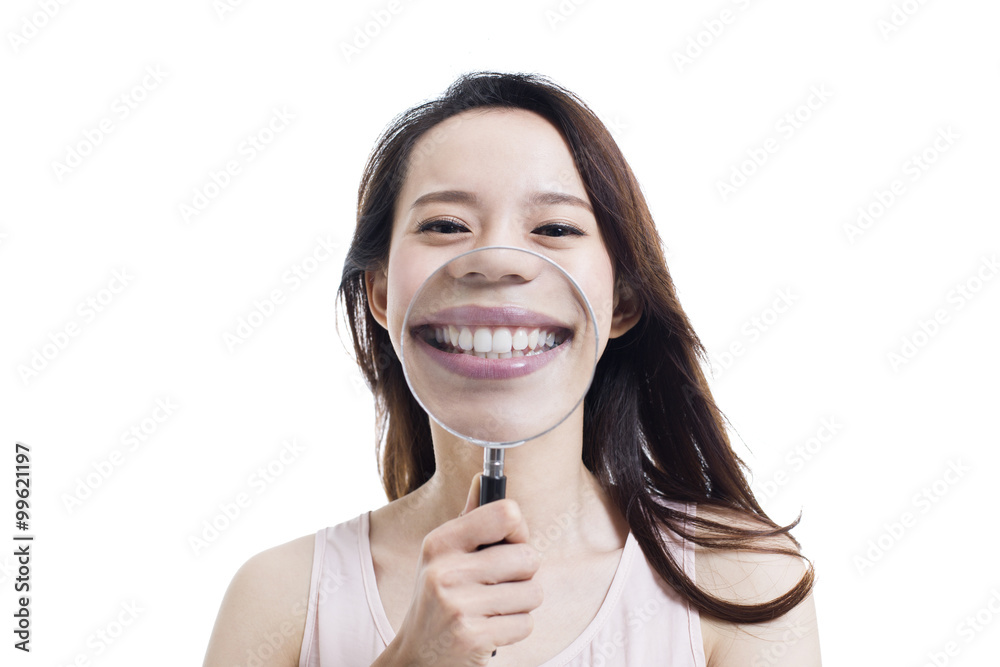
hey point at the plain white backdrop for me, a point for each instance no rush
(823, 177)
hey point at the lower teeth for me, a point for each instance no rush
(495, 355)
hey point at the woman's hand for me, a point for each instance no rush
(468, 602)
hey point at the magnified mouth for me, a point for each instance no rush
(493, 342)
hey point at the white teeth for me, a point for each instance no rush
(502, 340)
(482, 340)
(465, 339)
(519, 340)
(499, 343)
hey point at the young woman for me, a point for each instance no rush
(630, 535)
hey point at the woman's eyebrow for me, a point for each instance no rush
(447, 197)
(550, 198)
(547, 198)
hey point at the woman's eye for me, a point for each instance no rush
(558, 229)
(443, 226)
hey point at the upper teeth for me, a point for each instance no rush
(496, 343)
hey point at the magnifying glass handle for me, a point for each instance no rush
(492, 488)
(492, 485)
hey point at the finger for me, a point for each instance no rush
(509, 628)
(505, 562)
(499, 521)
(472, 502)
(483, 603)
(514, 597)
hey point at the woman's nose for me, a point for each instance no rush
(494, 264)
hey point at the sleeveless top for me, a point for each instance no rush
(642, 620)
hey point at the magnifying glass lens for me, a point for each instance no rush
(499, 345)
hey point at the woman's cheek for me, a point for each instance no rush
(599, 288)
(400, 293)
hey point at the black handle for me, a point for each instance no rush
(490, 489)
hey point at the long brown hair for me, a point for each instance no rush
(652, 430)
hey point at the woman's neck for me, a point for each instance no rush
(566, 510)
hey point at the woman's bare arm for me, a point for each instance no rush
(791, 640)
(262, 616)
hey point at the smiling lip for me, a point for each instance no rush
(474, 367)
(499, 316)
(488, 369)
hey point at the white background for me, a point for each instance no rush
(684, 127)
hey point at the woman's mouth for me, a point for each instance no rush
(493, 342)
(488, 343)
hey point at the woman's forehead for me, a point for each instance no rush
(491, 151)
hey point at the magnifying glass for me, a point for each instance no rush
(499, 347)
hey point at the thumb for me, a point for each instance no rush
(472, 502)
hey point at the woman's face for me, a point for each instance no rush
(496, 177)
(487, 178)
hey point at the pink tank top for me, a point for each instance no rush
(642, 621)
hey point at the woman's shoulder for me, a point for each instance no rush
(743, 576)
(265, 606)
(736, 574)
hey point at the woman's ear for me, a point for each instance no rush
(375, 286)
(627, 309)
